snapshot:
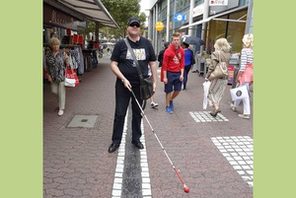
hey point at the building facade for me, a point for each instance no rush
(228, 19)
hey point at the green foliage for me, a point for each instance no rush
(121, 11)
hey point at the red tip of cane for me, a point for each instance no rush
(186, 189)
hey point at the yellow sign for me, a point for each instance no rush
(159, 26)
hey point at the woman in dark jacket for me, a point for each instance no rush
(189, 61)
(160, 59)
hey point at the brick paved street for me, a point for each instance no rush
(77, 164)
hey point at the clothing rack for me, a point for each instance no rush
(63, 45)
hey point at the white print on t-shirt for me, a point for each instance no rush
(176, 60)
(139, 53)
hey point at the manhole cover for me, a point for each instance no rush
(84, 121)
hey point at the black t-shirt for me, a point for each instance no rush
(143, 51)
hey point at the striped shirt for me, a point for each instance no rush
(246, 57)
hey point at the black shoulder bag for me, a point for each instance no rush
(146, 84)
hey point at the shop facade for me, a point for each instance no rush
(66, 20)
(227, 21)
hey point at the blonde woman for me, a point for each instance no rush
(218, 85)
(56, 61)
(245, 74)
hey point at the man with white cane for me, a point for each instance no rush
(124, 67)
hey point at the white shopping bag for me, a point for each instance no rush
(239, 93)
(69, 82)
(206, 87)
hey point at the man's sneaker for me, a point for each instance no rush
(154, 104)
(171, 105)
(168, 109)
(245, 116)
(61, 112)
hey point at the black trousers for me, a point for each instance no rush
(186, 71)
(122, 100)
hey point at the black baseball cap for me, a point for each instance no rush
(134, 20)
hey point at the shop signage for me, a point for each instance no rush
(57, 18)
(180, 17)
(219, 9)
(198, 10)
(218, 3)
(60, 19)
(159, 26)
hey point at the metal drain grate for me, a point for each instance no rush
(84, 121)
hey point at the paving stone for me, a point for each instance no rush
(76, 159)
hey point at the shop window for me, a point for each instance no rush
(232, 31)
(217, 30)
(235, 31)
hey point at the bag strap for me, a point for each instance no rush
(220, 57)
(134, 57)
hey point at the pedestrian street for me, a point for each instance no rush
(214, 156)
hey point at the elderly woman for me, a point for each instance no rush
(245, 74)
(218, 85)
(56, 61)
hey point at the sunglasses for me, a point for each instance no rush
(135, 24)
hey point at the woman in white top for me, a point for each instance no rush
(245, 74)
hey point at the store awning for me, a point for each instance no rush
(92, 10)
(215, 17)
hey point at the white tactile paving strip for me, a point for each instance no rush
(238, 150)
(146, 187)
(205, 116)
(117, 184)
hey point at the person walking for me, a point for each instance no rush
(127, 80)
(161, 53)
(218, 85)
(245, 74)
(56, 62)
(173, 71)
(189, 61)
(160, 59)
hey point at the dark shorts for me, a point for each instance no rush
(174, 82)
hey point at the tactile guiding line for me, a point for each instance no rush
(238, 150)
(84, 121)
(146, 187)
(117, 184)
(205, 116)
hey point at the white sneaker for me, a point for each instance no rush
(154, 104)
(61, 112)
(245, 116)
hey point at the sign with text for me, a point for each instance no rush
(218, 2)
(198, 10)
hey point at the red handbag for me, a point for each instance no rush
(71, 78)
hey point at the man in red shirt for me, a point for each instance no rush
(173, 69)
